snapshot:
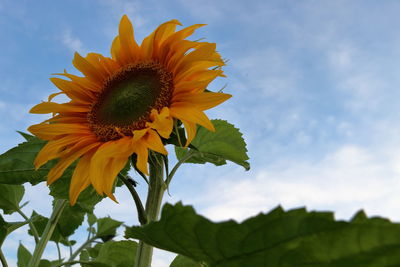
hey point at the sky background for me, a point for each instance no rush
(315, 88)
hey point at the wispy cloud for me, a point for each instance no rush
(71, 42)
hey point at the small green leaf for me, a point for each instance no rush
(107, 227)
(45, 263)
(24, 256)
(91, 218)
(94, 251)
(117, 253)
(279, 238)
(10, 197)
(182, 261)
(6, 228)
(226, 143)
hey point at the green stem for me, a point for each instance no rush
(31, 225)
(153, 203)
(187, 156)
(48, 231)
(84, 245)
(139, 206)
(3, 259)
(58, 251)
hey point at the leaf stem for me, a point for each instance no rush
(177, 132)
(139, 206)
(48, 231)
(3, 259)
(58, 251)
(31, 225)
(82, 247)
(153, 203)
(187, 156)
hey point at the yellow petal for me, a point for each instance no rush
(129, 48)
(194, 67)
(191, 130)
(87, 69)
(73, 90)
(120, 148)
(162, 122)
(138, 134)
(53, 148)
(47, 131)
(116, 49)
(142, 157)
(202, 101)
(190, 114)
(68, 159)
(151, 43)
(51, 107)
(153, 141)
(114, 167)
(80, 178)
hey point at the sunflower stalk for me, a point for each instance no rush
(47, 233)
(153, 204)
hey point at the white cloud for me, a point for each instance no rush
(345, 180)
(71, 42)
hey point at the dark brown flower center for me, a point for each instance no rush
(127, 98)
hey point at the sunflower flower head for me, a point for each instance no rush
(125, 104)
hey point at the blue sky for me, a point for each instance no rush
(315, 86)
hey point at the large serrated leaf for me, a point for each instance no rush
(226, 143)
(16, 165)
(10, 196)
(280, 238)
(70, 219)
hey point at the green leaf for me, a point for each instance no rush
(117, 253)
(10, 197)
(40, 223)
(279, 238)
(107, 228)
(28, 137)
(91, 218)
(24, 256)
(16, 165)
(226, 143)
(3, 230)
(182, 261)
(94, 251)
(6, 228)
(70, 219)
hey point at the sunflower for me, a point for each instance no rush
(126, 104)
